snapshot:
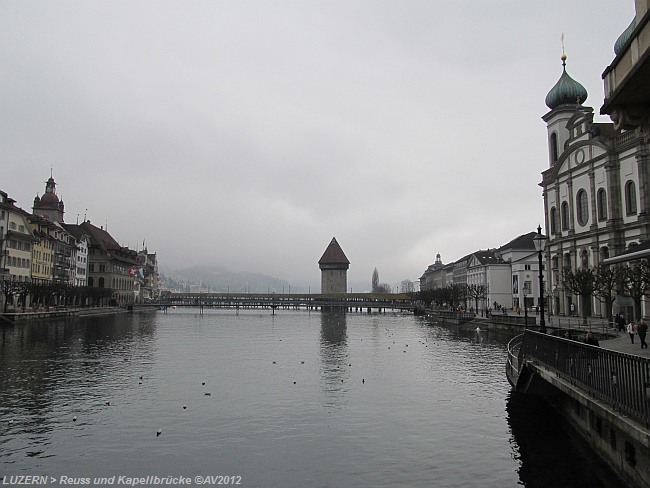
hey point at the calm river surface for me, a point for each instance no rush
(297, 399)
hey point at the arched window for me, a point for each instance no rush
(584, 259)
(565, 216)
(553, 220)
(554, 148)
(604, 253)
(583, 207)
(602, 204)
(630, 198)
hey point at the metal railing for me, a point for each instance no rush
(512, 366)
(619, 379)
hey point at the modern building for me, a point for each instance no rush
(334, 267)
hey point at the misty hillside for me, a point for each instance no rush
(220, 279)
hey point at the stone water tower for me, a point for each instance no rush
(334, 269)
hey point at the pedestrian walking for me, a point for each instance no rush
(631, 329)
(591, 339)
(621, 323)
(642, 329)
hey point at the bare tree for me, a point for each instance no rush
(407, 286)
(9, 289)
(637, 283)
(608, 280)
(476, 293)
(583, 284)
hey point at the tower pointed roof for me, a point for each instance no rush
(333, 254)
(566, 91)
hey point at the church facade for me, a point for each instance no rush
(596, 193)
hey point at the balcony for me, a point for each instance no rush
(627, 78)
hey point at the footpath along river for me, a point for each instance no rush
(295, 399)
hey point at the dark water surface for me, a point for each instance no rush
(292, 400)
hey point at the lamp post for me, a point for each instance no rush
(540, 243)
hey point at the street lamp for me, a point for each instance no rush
(540, 243)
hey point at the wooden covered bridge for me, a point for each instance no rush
(295, 301)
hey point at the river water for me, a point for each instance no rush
(295, 399)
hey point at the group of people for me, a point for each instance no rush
(640, 329)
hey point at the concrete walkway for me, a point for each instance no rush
(622, 343)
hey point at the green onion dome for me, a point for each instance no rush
(624, 37)
(566, 91)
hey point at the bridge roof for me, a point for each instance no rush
(333, 254)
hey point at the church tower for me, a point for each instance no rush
(334, 268)
(49, 205)
(565, 101)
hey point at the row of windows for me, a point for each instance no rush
(37, 269)
(20, 245)
(122, 284)
(18, 262)
(42, 256)
(13, 226)
(582, 207)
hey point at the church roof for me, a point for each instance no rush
(566, 91)
(333, 254)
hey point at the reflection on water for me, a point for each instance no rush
(541, 434)
(334, 353)
(295, 399)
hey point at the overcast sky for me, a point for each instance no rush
(247, 134)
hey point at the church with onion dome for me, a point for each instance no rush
(596, 190)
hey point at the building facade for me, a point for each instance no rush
(109, 265)
(596, 193)
(81, 258)
(43, 250)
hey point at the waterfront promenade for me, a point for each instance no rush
(618, 341)
(622, 343)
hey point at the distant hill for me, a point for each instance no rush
(220, 279)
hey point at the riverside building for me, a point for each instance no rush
(596, 193)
